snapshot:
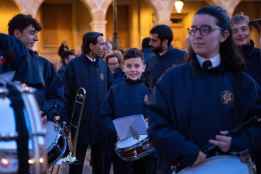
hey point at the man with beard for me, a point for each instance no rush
(252, 56)
(90, 72)
(166, 56)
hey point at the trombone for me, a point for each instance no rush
(79, 102)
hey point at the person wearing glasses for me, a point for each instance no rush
(193, 106)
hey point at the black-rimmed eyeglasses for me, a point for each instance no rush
(203, 30)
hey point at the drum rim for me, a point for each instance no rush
(134, 145)
(216, 157)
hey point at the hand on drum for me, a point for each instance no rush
(222, 141)
(200, 158)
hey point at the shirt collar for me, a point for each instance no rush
(91, 59)
(215, 61)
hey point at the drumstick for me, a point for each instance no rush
(211, 148)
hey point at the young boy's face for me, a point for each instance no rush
(133, 68)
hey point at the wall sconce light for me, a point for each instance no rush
(179, 5)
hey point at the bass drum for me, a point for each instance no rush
(223, 164)
(8, 133)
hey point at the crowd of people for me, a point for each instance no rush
(192, 99)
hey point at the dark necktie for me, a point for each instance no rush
(207, 65)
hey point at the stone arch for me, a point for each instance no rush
(230, 5)
(29, 6)
(69, 26)
(163, 10)
(98, 9)
(8, 9)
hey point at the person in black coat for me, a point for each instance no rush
(126, 98)
(29, 67)
(165, 55)
(90, 72)
(252, 55)
(194, 105)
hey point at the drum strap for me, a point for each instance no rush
(22, 139)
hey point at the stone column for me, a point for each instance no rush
(163, 9)
(229, 5)
(29, 6)
(98, 9)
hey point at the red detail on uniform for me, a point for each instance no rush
(2, 60)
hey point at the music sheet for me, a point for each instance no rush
(130, 126)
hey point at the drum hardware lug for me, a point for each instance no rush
(244, 156)
(135, 153)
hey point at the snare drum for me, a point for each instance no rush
(225, 164)
(133, 149)
(55, 142)
(8, 134)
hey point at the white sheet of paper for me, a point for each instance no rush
(126, 125)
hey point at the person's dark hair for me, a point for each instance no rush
(64, 52)
(116, 54)
(229, 53)
(163, 32)
(88, 38)
(238, 18)
(21, 21)
(145, 43)
(133, 53)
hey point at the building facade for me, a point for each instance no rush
(68, 20)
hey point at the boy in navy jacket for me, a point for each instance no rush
(124, 99)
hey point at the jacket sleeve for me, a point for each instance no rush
(54, 103)
(13, 49)
(170, 143)
(107, 115)
(69, 91)
(250, 138)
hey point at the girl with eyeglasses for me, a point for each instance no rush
(195, 105)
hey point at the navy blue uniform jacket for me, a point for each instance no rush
(33, 70)
(94, 77)
(252, 57)
(158, 65)
(189, 106)
(123, 99)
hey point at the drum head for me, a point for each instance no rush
(219, 165)
(8, 124)
(129, 142)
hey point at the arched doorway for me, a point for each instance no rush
(62, 20)
(8, 9)
(135, 19)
